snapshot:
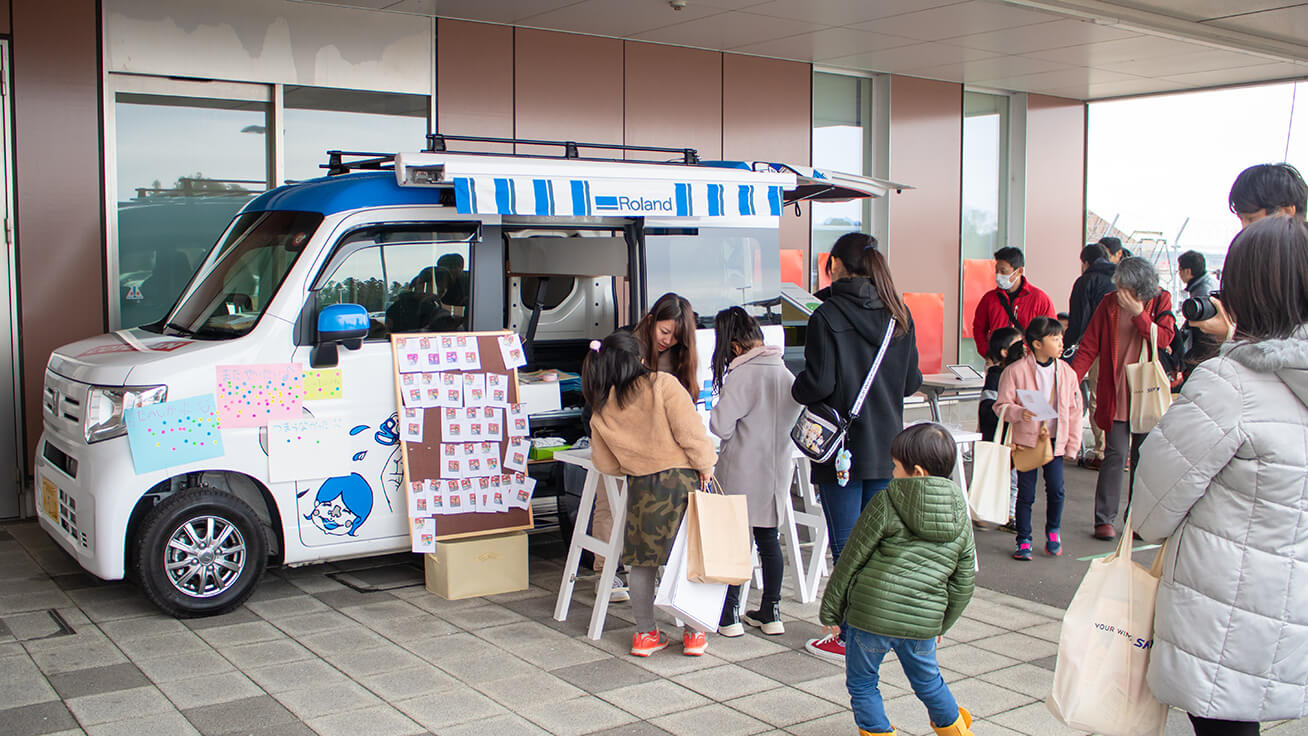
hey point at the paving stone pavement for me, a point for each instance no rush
(309, 654)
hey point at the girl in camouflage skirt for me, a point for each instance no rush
(645, 427)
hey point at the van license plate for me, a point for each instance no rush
(50, 499)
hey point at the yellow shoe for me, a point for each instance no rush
(891, 732)
(960, 727)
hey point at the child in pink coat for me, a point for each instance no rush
(1042, 370)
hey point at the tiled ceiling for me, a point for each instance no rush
(1083, 49)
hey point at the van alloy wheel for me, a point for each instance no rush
(205, 556)
(200, 552)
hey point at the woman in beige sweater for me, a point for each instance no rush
(645, 427)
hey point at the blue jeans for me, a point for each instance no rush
(1026, 485)
(863, 654)
(843, 505)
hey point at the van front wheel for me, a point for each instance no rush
(200, 552)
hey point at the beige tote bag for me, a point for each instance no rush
(1103, 649)
(1151, 392)
(988, 494)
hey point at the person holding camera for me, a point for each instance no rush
(1117, 335)
(1259, 191)
(1224, 477)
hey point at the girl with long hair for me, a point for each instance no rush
(667, 336)
(645, 427)
(752, 417)
(843, 337)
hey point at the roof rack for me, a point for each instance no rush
(337, 162)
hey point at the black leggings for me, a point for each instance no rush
(1214, 727)
(769, 556)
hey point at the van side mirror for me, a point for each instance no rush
(343, 324)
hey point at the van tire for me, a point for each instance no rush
(227, 552)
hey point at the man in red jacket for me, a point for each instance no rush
(1013, 302)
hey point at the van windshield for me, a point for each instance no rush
(240, 277)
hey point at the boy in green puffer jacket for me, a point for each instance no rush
(904, 578)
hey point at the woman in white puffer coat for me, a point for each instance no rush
(1225, 477)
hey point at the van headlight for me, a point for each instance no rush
(105, 405)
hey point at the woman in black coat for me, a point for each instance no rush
(843, 337)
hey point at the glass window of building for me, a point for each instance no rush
(841, 129)
(320, 119)
(184, 167)
(985, 189)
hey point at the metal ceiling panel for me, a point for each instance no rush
(728, 31)
(1052, 35)
(977, 16)
(844, 12)
(1287, 24)
(828, 43)
(620, 18)
(917, 56)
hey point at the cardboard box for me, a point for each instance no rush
(477, 566)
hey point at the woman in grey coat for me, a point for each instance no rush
(753, 416)
(1225, 477)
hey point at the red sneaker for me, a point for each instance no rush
(693, 643)
(645, 643)
(828, 647)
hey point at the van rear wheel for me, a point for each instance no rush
(200, 552)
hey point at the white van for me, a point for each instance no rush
(321, 273)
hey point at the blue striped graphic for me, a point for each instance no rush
(606, 202)
(504, 197)
(715, 200)
(746, 199)
(578, 196)
(774, 201)
(682, 199)
(465, 202)
(541, 188)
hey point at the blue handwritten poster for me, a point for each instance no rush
(173, 433)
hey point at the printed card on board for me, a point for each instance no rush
(492, 423)
(419, 500)
(409, 355)
(474, 389)
(423, 535)
(511, 349)
(322, 384)
(453, 426)
(308, 447)
(524, 487)
(411, 420)
(497, 390)
(516, 423)
(253, 395)
(451, 391)
(173, 433)
(469, 353)
(429, 354)
(452, 468)
(515, 454)
(431, 389)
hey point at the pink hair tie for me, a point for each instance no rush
(595, 345)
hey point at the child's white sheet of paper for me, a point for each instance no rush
(1038, 404)
(409, 354)
(516, 423)
(424, 535)
(511, 350)
(497, 390)
(301, 449)
(515, 455)
(411, 421)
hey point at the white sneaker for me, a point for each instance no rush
(618, 593)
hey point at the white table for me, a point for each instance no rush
(941, 384)
(610, 548)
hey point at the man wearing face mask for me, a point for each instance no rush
(1015, 302)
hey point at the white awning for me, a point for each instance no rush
(558, 187)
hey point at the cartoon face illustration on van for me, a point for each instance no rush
(342, 504)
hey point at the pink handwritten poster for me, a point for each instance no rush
(253, 395)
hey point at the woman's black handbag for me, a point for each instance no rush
(820, 430)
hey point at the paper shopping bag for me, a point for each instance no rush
(718, 538)
(696, 604)
(1103, 649)
(1151, 391)
(989, 493)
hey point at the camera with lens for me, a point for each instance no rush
(1200, 309)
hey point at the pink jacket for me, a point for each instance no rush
(1067, 400)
